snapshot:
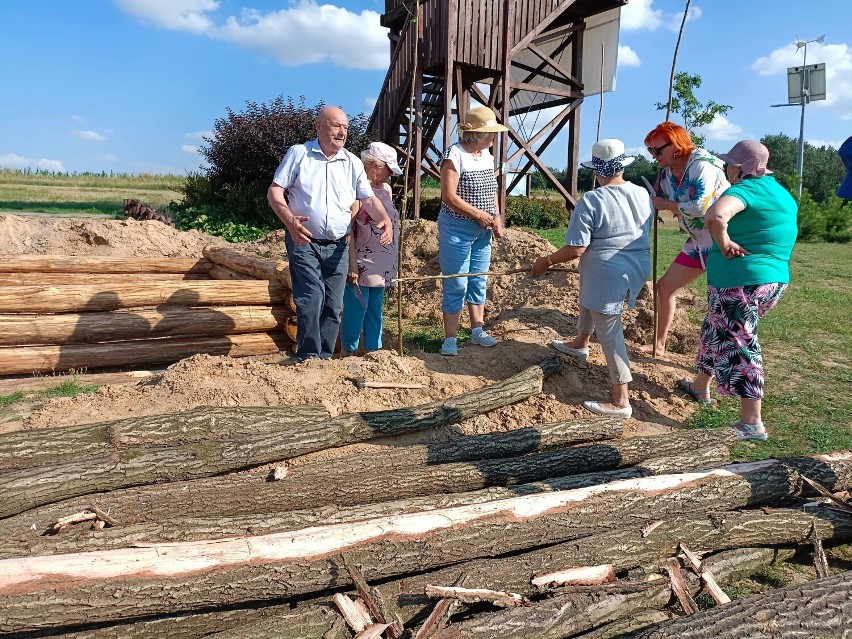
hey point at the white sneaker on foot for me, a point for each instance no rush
(561, 346)
(596, 407)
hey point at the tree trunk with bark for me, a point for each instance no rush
(22, 360)
(132, 466)
(819, 608)
(346, 482)
(166, 321)
(28, 448)
(41, 592)
(101, 264)
(25, 534)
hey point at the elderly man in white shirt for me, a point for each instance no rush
(322, 180)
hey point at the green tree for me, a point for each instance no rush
(823, 170)
(694, 113)
(244, 150)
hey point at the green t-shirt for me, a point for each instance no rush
(766, 228)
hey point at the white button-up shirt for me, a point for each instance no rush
(322, 189)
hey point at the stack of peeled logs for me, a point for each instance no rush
(59, 313)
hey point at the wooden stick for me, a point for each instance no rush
(584, 576)
(707, 577)
(356, 615)
(373, 598)
(514, 271)
(499, 598)
(362, 383)
(679, 587)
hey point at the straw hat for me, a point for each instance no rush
(481, 120)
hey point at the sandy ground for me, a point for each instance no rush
(525, 314)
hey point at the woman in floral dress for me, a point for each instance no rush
(691, 179)
(753, 226)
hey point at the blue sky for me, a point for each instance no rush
(132, 85)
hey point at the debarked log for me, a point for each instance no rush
(24, 534)
(40, 592)
(51, 278)
(255, 266)
(219, 272)
(101, 264)
(17, 360)
(22, 329)
(79, 298)
(819, 608)
(132, 466)
(29, 448)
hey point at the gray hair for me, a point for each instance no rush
(475, 137)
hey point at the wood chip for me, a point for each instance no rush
(499, 598)
(356, 615)
(585, 576)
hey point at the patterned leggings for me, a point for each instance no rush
(728, 348)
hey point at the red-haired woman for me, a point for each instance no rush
(691, 179)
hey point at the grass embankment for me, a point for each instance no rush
(806, 341)
(85, 193)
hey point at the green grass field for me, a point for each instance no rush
(806, 341)
(87, 193)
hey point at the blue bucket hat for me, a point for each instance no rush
(845, 153)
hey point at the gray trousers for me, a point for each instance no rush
(611, 337)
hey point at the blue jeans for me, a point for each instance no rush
(318, 271)
(356, 318)
(463, 247)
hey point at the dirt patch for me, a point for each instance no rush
(524, 313)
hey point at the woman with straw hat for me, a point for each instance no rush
(468, 219)
(609, 231)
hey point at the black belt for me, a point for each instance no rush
(327, 242)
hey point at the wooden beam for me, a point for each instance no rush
(30, 359)
(542, 26)
(558, 120)
(101, 264)
(535, 88)
(24, 329)
(556, 66)
(89, 298)
(573, 164)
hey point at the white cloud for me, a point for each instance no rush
(188, 148)
(109, 158)
(627, 57)
(198, 135)
(181, 15)
(15, 161)
(639, 14)
(88, 135)
(636, 151)
(77, 119)
(838, 72)
(675, 22)
(721, 129)
(834, 144)
(308, 33)
(370, 102)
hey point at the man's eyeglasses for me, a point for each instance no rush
(656, 150)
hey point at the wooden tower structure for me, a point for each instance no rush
(519, 57)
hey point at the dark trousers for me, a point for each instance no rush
(318, 270)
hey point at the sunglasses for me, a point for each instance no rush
(656, 150)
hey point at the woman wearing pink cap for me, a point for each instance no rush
(754, 229)
(372, 266)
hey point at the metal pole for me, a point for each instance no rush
(800, 162)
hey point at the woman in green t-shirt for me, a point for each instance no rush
(754, 229)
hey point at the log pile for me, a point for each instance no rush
(553, 530)
(140, 211)
(59, 313)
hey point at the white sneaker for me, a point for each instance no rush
(580, 353)
(596, 407)
(450, 347)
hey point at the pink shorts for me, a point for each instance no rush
(689, 262)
